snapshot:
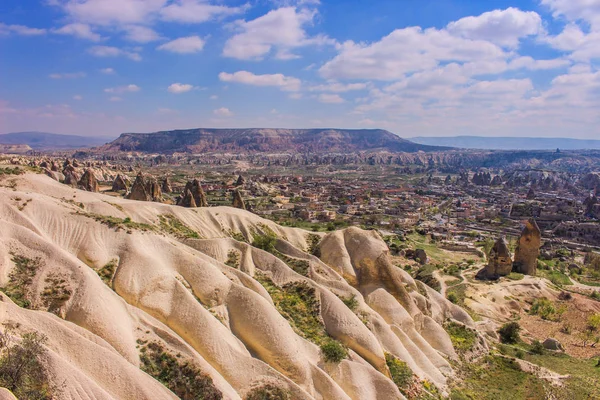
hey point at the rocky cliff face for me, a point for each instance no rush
(265, 140)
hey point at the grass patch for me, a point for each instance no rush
(11, 171)
(463, 339)
(20, 279)
(107, 272)
(401, 374)
(515, 276)
(457, 294)
(118, 223)
(350, 302)
(297, 303)
(183, 378)
(556, 277)
(268, 392)
(173, 225)
(546, 309)
(56, 293)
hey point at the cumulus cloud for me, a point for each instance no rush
(286, 83)
(109, 51)
(110, 12)
(123, 89)
(280, 30)
(223, 112)
(576, 10)
(179, 88)
(330, 98)
(107, 71)
(503, 27)
(184, 45)
(82, 31)
(77, 97)
(197, 11)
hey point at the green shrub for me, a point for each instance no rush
(453, 298)
(20, 279)
(333, 351)
(425, 275)
(107, 272)
(351, 302)
(183, 378)
(401, 374)
(21, 370)
(268, 392)
(509, 332)
(546, 310)
(537, 347)
(265, 241)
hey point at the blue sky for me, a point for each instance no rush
(414, 67)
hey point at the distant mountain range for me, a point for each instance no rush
(51, 141)
(266, 140)
(509, 143)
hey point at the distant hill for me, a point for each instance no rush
(509, 143)
(51, 141)
(266, 140)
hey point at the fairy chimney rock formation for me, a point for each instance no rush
(138, 190)
(531, 194)
(88, 181)
(166, 186)
(238, 202)
(153, 189)
(240, 181)
(197, 195)
(499, 261)
(119, 184)
(528, 249)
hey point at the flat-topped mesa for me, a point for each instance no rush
(238, 201)
(499, 262)
(197, 195)
(88, 181)
(528, 249)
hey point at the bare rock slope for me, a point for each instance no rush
(115, 279)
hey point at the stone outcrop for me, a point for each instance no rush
(528, 249)
(499, 262)
(153, 189)
(497, 181)
(238, 201)
(166, 186)
(531, 194)
(240, 181)
(196, 192)
(138, 190)
(119, 184)
(88, 181)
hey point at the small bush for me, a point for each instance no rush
(463, 339)
(509, 333)
(546, 310)
(265, 242)
(333, 351)
(453, 298)
(537, 347)
(182, 377)
(351, 302)
(20, 279)
(21, 370)
(268, 392)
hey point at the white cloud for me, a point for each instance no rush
(115, 98)
(140, 34)
(330, 98)
(281, 30)
(180, 88)
(529, 63)
(77, 97)
(109, 51)
(576, 10)
(68, 75)
(21, 30)
(503, 27)
(223, 112)
(184, 45)
(107, 71)
(110, 12)
(82, 31)
(123, 89)
(337, 87)
(197, 11)
(286, 83)
(404, 51)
